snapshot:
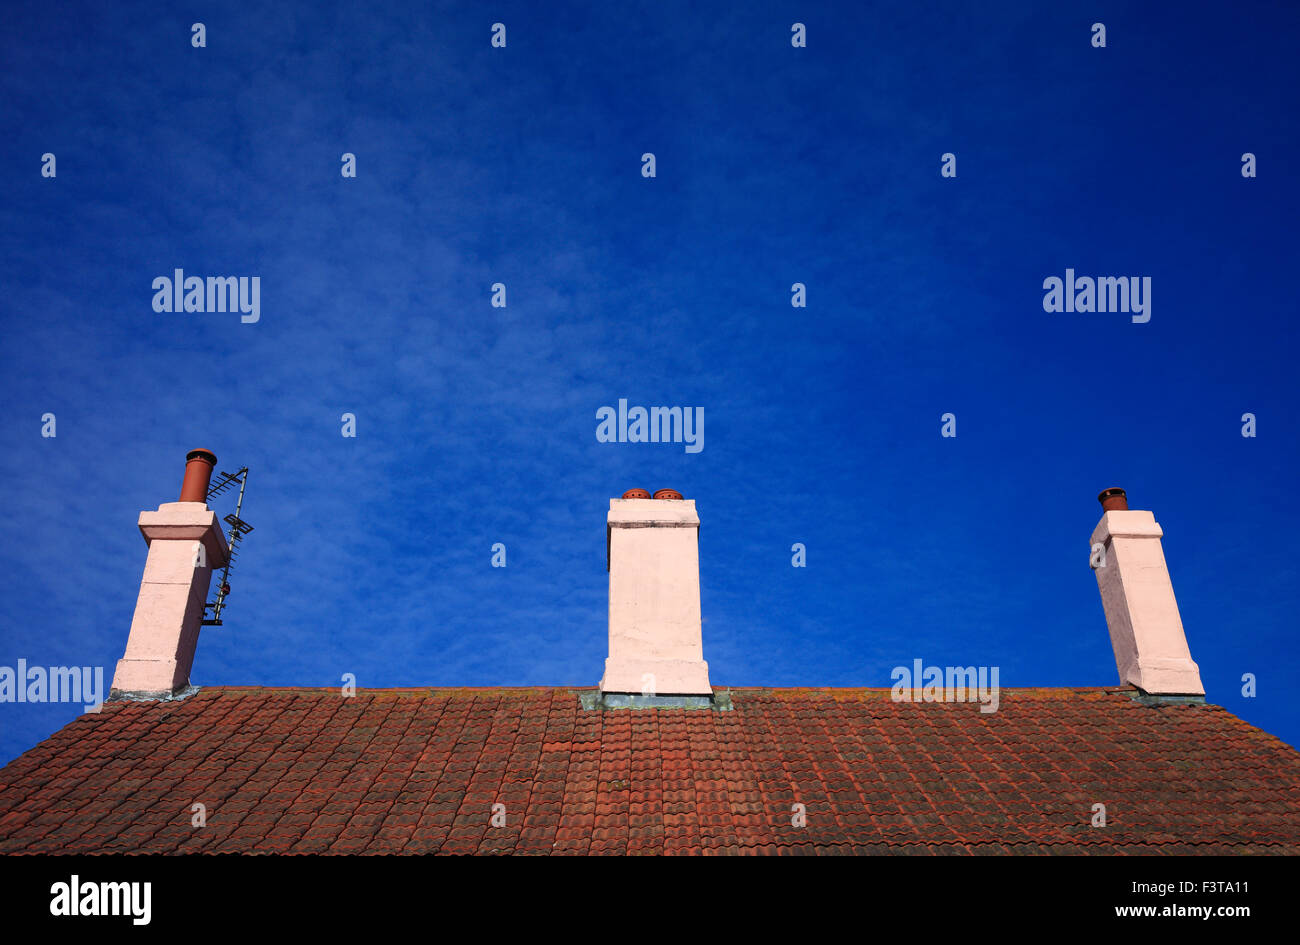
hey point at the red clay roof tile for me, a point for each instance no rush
(419, 771)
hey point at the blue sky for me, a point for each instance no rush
(475, 425)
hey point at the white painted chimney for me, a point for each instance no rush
(1146, 630)
(655, 642)
(185, 544)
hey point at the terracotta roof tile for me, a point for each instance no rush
(419, 771)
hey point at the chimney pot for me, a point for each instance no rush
(1113, 500)
(198, 474)
(667, 494)
(636, 494)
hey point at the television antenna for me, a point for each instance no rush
(238, 529)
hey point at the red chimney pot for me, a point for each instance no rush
(667, 494)
(1113, 500)
(636, 494)
(198, 473)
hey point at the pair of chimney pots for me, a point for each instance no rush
(659, 494)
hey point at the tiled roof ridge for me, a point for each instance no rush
(1045, 692)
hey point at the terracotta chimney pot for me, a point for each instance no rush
(198, 474)
(1113, 500)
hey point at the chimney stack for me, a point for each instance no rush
(185, 545)
(655, 642)
(1146, 630)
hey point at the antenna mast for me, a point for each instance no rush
(238, 529)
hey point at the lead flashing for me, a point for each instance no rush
(137, 695)
(595, 700)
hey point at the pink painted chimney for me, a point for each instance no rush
(185, 544)
(655, 641)
(1136, 593)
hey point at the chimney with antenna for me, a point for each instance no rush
(185, 545)
(1146, 630)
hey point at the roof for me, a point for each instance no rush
(419, 770)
